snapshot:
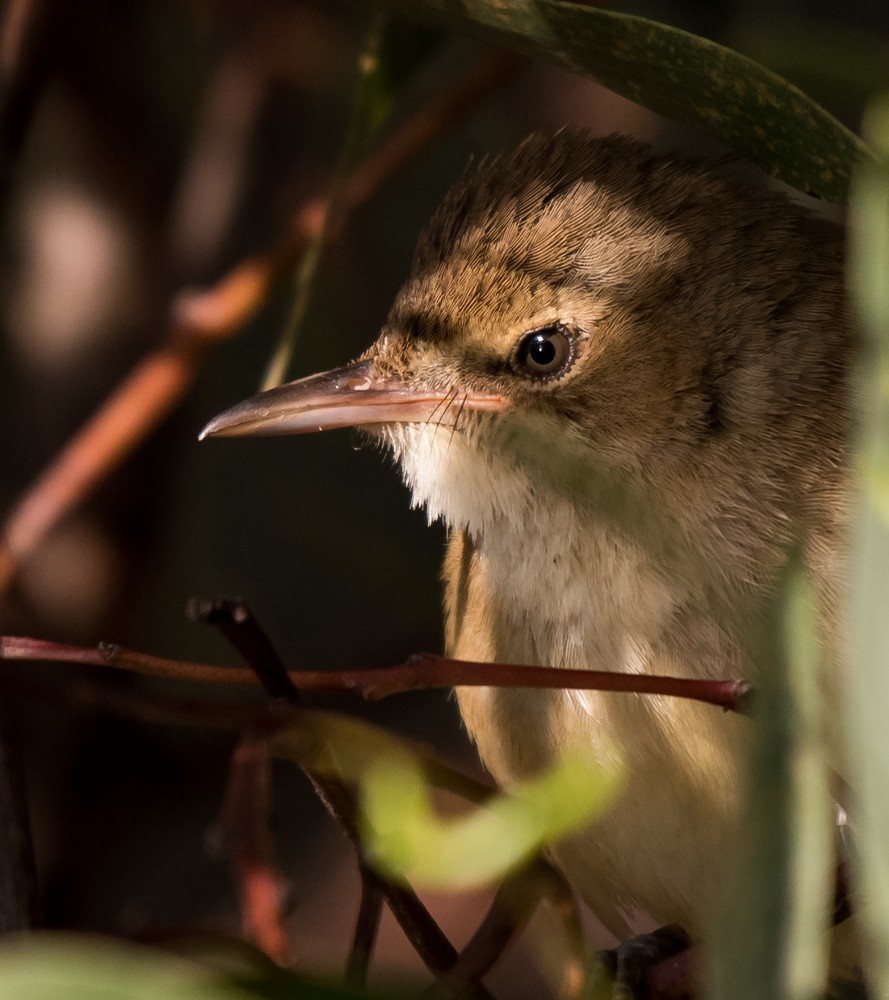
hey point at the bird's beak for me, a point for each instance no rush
(352, 396)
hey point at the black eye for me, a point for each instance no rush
(544, 353)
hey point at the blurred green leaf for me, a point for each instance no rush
(63, 967)
(682, 76)
(404, 49)
(406, 839)
(52, 966)
(772, 940)
(868, 683)
(835, 57)
(402, 833)
(342, 747)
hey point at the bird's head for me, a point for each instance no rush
(559, 313)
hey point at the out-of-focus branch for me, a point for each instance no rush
(367, 926)
(423, 671)
(199, 321)
(24, 41)
(514, 902)
(554, 887)
(247, 841)
(356, 139)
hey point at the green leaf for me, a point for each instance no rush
(842, 59)
(406, 839)
(401, 832)
(405, 48)
(679, 75)
(868, 682)
(65, 967)
(53, 966)
(771, 940)
(338, 746)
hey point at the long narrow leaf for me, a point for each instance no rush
(679, 75)
(868, 702)
(771, 941)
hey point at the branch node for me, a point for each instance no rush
(109, 651)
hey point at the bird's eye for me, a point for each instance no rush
(544, 353)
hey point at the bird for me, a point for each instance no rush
(621, 378)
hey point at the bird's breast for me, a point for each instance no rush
(594, 600)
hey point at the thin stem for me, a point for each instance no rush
(247, 841)
(355, 141)
(25, 38)
(367, 926)
(557, 890)
(422, 671)
(236, 622)
(514, 902)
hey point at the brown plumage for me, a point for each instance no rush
(621, 379)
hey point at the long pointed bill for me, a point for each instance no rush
(345, 397)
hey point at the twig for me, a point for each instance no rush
(24, 40)
(417, 923)
(367, 926)
(313, 727)
(514, 902)
(248, 843)
(423, 671)
(248, 804)
(235, 621)
(355, 140)
(556, 889)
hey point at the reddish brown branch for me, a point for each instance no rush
(26, 37)
(420, 672)
(248, 843)
(557, 890)
(199, 321)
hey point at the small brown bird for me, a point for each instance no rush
(620, 378)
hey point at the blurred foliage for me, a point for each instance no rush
(65, 967)
(407, 840)
(772, 929)
(392, 52)
(682, 76)
(402, 834)
(868, 675)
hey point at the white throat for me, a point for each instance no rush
(582, 592)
